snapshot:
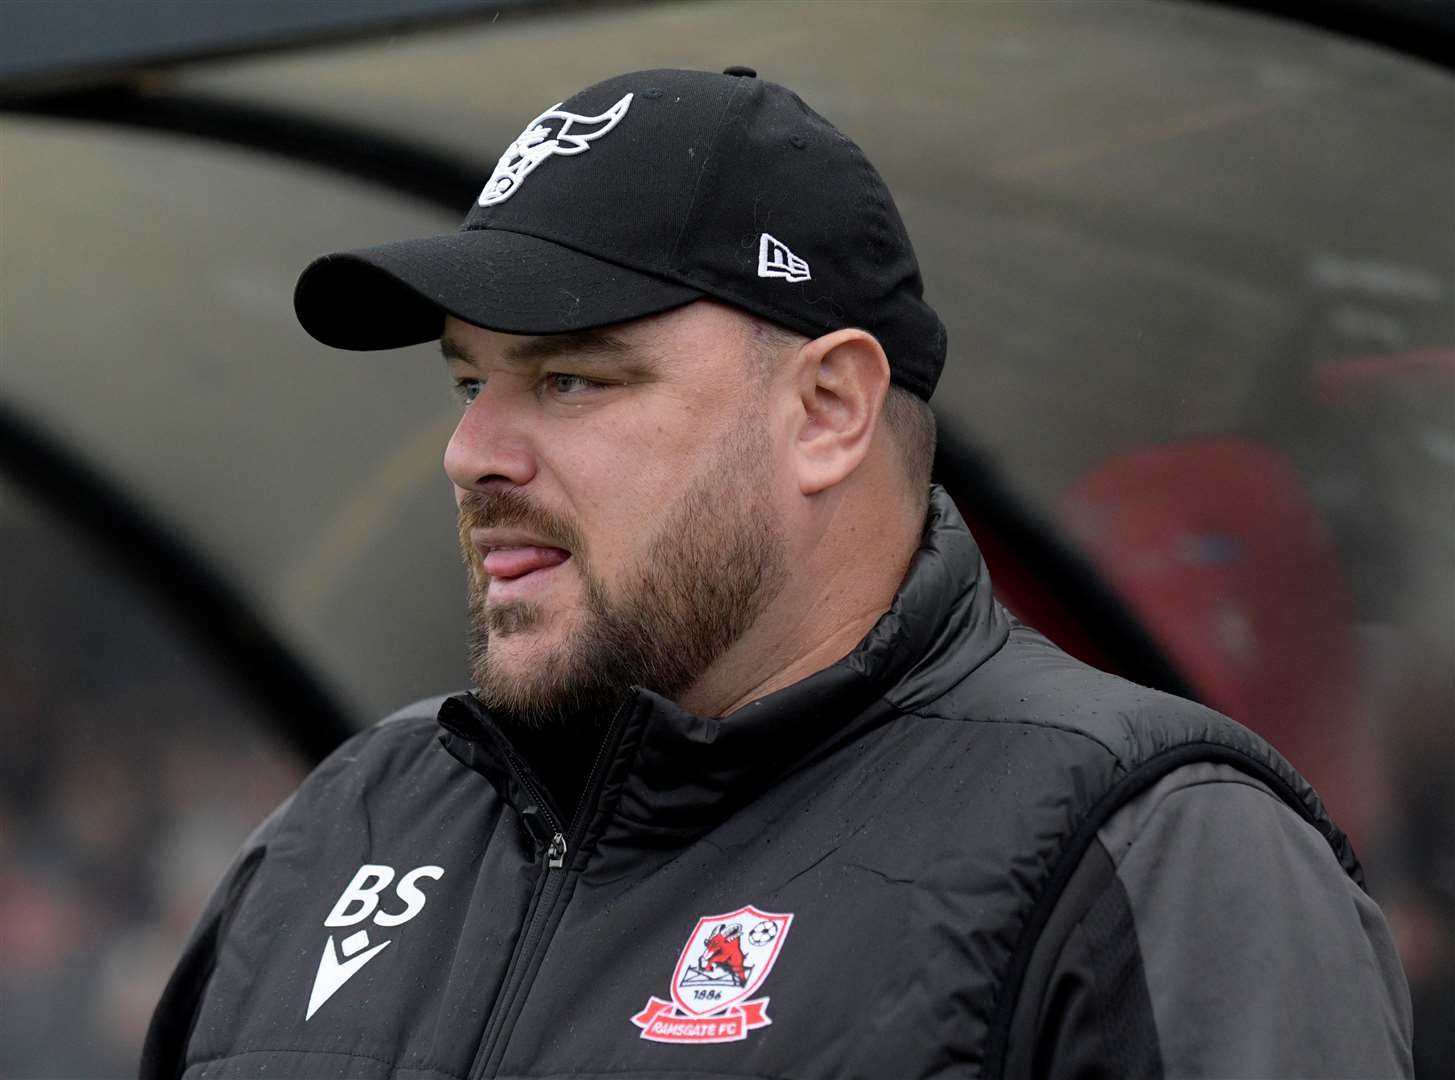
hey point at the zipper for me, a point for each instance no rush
(556, 847)
(551, 884)
(589, 793)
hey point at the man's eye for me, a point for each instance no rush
(467, 390)
(560, 382)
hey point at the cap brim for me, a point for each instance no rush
(398, 294)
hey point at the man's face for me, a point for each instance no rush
(617, 507)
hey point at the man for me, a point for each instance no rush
(756, 778)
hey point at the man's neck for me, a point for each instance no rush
(827, 652)
(817, 619)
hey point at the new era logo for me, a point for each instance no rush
(776, 261)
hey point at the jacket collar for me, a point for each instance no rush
(671, 772)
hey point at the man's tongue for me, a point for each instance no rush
(512, 562)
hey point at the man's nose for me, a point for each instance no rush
(489, 446)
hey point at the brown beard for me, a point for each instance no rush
(707, 575)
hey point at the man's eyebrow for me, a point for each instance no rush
(593, 343)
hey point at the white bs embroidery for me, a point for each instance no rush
(776, 261)
(355, 904)
(536, 143)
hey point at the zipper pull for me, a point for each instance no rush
(556, 853)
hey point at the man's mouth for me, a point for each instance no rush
(519, 565)
(511, 563)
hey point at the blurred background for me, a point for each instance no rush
(1196, 261)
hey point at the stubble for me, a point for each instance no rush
(715, 562)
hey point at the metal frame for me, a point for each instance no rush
(1419, 28)
(210, 612)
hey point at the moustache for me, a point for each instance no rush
(512, 509)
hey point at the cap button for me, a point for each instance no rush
(738, 69)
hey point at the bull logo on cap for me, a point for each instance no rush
(537, 142)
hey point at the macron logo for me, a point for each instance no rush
(357, 902)
(776, 261)
(333, 973)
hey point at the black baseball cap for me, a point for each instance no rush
(637, 195)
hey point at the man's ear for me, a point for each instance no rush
(841, 379)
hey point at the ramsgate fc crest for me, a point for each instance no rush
(722, 966)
